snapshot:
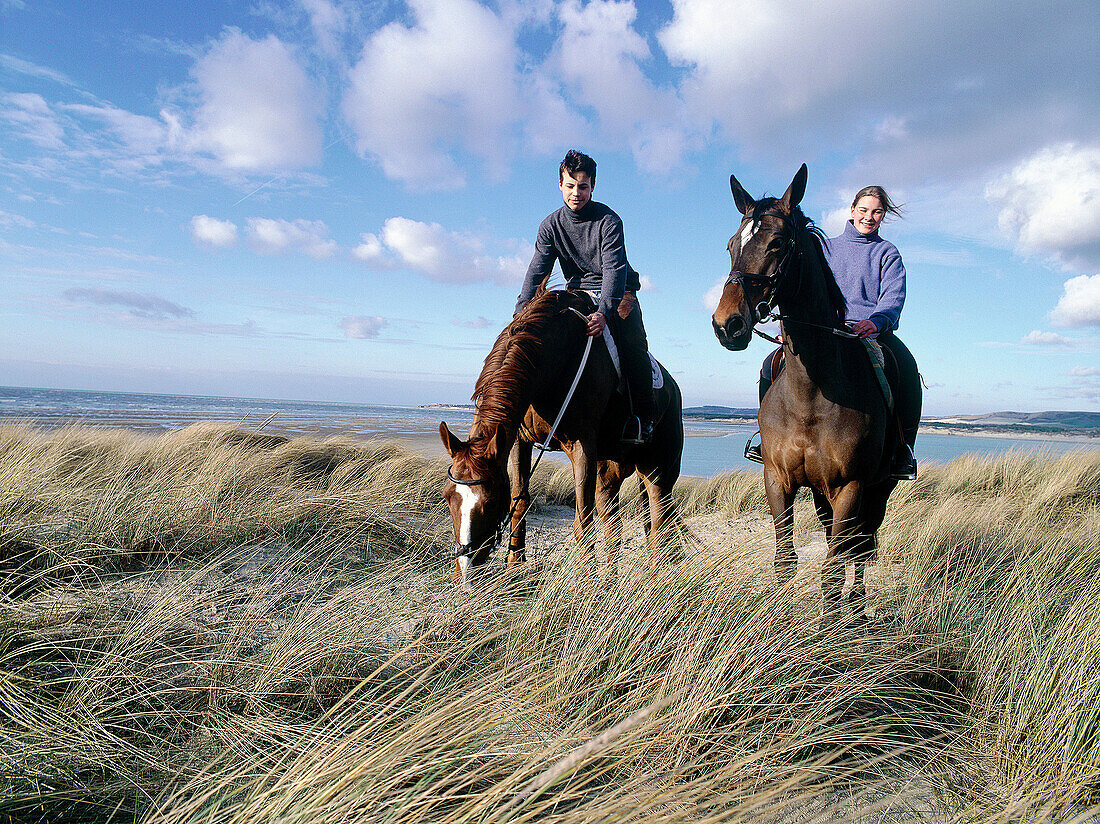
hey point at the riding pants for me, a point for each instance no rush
(629, 334)
(910, 397)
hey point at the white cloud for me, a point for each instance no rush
(30, 116)
(833, 222)
(1080, 303)
(599, 56)
(138, 140)
(904, 87)
(1037, 337)
(8, 220)
(1085, 372)
(441, 254)
(309, 237)
(372, 252)
(147, 307)
(213, 232)
(329, 22)
(21, 66)
(259, 109)
(1051, 203)
(420, 94)
(362, 327)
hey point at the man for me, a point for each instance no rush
(586, 238)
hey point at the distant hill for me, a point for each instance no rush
(1054, 422)
(1084, 423)
(1075, 419)
(719, 412)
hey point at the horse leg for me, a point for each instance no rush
(866, 544)
(607, 506)
(857, 598)
(781, 504)
(520, 468)
(662, 542)
(843, 538)
(584, 486)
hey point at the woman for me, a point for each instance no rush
(871, 276)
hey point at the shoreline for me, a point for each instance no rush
(936, 428)
(368, 428)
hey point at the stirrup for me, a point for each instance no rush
(634, 432)
(904, 468)
(753, 453)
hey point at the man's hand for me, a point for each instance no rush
(627, 304)
(596, 324)
(864, 328)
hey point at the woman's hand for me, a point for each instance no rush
(865, 328)
(596, 324)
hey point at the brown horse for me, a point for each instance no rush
(823, 422)
(519, 394)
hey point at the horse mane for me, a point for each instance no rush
(809, 256)
(513, 362)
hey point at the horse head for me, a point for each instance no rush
(476, 492)
(758, 254)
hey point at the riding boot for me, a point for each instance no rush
(752, 451)
(909, 401)
(634, 357)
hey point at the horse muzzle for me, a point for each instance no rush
(734, 334)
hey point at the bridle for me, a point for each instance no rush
(765, 310)
(471, 482)
(462, 550)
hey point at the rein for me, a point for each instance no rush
(542, 451)
(553, 428)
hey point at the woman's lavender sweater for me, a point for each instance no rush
(870, 274)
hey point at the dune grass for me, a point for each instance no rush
(221, 626)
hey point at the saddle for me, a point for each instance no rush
(613, 348)
(657, 372)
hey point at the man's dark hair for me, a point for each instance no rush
(577, 162)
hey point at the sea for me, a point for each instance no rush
(710, 447)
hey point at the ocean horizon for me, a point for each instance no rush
(710, 447)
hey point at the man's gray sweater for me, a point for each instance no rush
(590, 247)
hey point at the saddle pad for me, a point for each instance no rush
(658, 374)
(655, 368)
(613, 350)
(878, 361)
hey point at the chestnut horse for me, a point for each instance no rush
(823, 422)
(520, 392)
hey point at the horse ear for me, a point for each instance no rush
(499, 443)
(745, 203)
(542, 286)
(797, 189)
(450, 442)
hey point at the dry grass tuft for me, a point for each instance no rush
(220, 626)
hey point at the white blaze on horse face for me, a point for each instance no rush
(747, 233)
(466, 513)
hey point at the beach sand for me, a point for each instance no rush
(420, 440)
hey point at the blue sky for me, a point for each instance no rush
(332, 200)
